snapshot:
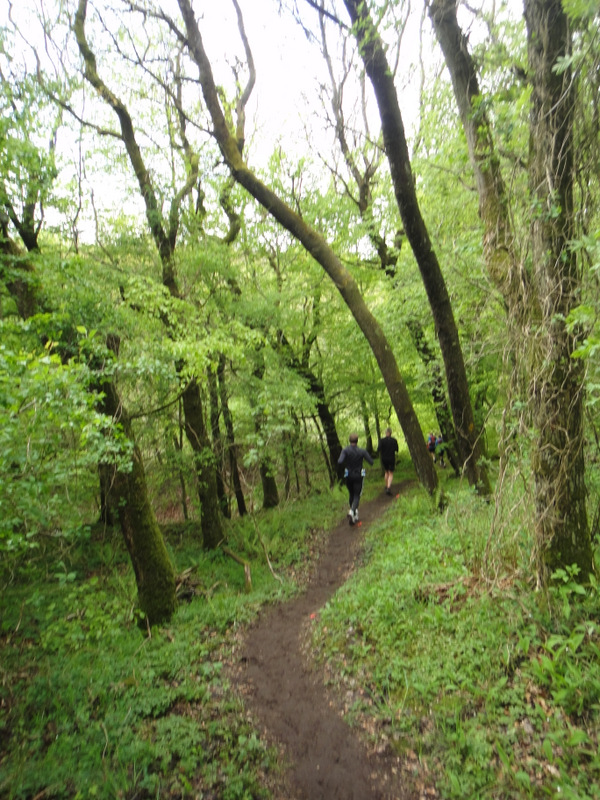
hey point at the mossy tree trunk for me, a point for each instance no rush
(154, 573)
(557, 386)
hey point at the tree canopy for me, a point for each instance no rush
(233, 234)
(133, 146)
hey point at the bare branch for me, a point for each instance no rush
(318, 7)
(245, 96)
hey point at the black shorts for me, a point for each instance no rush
(388, 465)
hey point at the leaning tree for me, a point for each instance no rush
(231, 146)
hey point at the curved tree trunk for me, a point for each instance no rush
(396, 148)
(316, 245)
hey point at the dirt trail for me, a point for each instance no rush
(328, 760)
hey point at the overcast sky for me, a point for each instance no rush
(285, 101)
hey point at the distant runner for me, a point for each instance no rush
(440, 447)
(352, 458)
(388, 447)
(431, 445)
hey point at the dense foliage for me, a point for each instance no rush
(488, 688)
(179, 370)
(485, 687)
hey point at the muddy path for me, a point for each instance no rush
(285, 693)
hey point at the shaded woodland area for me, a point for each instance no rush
(200, 300)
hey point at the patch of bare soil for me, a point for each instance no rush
(286, 694)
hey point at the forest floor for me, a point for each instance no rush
(326, 759)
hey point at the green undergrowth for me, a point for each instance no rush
(486, 687)
(445, 652)
(93, 706)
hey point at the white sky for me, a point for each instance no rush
(288, 67)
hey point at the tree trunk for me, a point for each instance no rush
(562, 529)
(316, 388)
(265, 466)
(287, 457)
(498, 242)
(332, 470)
(154, 573)
(294, 457)
(434, 375)
(366, 427)
(19, 274)
(334, 446)
(105, 476)
(178, 444)
(316, 245)
(229, 432)
(197, 436)
(396, 148)
(304, 439)
(217, 443)
(269, 485)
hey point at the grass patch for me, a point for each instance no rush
(487, 688)
(444, 651)
(90, 706)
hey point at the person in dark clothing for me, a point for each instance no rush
(440, 448)
(431, 445)
(388, 447)
(352, 458)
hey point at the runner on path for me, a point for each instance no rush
(388, 447)
(352, 457)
